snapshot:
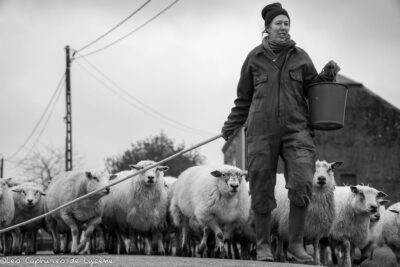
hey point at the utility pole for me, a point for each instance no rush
(1, 166)
(68, 117)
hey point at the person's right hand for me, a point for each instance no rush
(226, 134)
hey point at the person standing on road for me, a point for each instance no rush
(272, 104)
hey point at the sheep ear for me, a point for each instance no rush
(113, 176)
(216, 173)
(41, 192)
(162, 168)
(381, 194)
(354, 189)
(244, 174)
(17, 189)
(336, 164)
(135, 167)
(383, 201)
(9, 182)
(89, 175)
(394, 211)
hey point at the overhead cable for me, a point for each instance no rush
(40, 120)
(47, 120)
(130, 33)
(116, 26)
(142, 106)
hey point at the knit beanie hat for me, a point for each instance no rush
(270, 11)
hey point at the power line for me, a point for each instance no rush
(146, 109)
(144, 104)
(40, 120)
(116, 26)
(47, 120)
(133, 31)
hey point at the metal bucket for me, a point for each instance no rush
(327, 102)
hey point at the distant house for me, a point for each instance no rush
(369, 143)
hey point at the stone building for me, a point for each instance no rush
(368, 144)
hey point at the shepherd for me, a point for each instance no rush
(272, 105)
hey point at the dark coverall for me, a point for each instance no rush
(271, 101)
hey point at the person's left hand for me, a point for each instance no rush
(331, 69)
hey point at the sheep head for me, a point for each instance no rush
(29, 194)
(152, 176)
(96, 180)
(323, 175)
(365, 198)
(229, 178)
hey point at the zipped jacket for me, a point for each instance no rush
(269, 97)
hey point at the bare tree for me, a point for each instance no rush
(44, 163)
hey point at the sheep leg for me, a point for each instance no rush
(317, 254)
(160, 245)
(7, 243)
(30, 242)
(102, 243)
(51, 226)
(88, 233)
(203, 244)
(347, 256)
(185, 232)
(147, 241)
(74, 231)
(132, 244)
(63, 242)
(176, 244)
(219, 236)
(16, 237)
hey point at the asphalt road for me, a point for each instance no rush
(104, 260)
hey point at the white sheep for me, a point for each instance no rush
(390, 222)
(320, 211)
(169, 181)
(170, 232)
(354, 206)
(86, 213)
(7, 211)
(29, 203)
(138, 206)
(211, 196)
(375, 231)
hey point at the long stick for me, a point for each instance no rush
(109, 185)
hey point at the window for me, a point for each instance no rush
(348, 179)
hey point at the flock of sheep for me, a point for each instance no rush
(204, 212)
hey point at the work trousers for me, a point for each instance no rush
(297, 150)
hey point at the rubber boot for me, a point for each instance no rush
(263, 236)
(297, 218)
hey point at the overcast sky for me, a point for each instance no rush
(184, 65)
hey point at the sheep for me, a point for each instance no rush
(7, 211)
(170, 233)
(29, 203)
(138, 206)
(375, 231)
(320, 211)
(86, 213)
(354, 206)
(391, 229)
(169, 181)
(210, 196)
